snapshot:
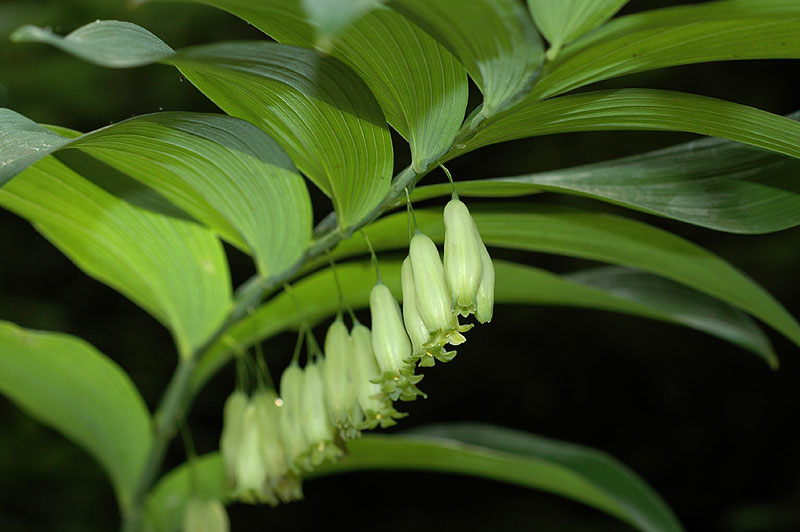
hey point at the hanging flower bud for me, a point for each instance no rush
(462, 257)
(434, 303)
(232, 424)
(338, 379)
(424, 346)
(280, 480)
(377, 409)
(485, 306)
(319, 431)
(290, 419)
(205, 516)
(250, 469)
(392, 347)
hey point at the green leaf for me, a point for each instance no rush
(174, 269)
(315, 106)
(594, 235)
(420, 86)
(641, 109)
(564, 21)
(109, 43)
(573, 471)
(579, 473)
(323, 115)
(627, 291)
(494, 39)
(70, 386)
(712, 183)
(223, 171)
(711, 31)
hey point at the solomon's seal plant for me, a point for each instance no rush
(145, 205)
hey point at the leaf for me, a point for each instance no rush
(420, 86)
(712, 183)
(564, 21)
(628, 291)
(711, 31)
(221, 170)
(70, 386)
(573, 471)
(315, 106)
(641, 109)
(109, 43)
(580, 473)
(174, 269)
(494, 39)
(596, 236)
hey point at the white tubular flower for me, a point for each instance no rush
(339, 384)
(280, 480)
(205, 516)
(250, 469)
(463, 266)
(319, 431)
(391, 346)
(485, 307)
(424, 346)
(377, 409)
(231, 438)
(290, 420)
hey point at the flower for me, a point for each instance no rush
(280, 480)
(392, 347)
(318, 428)
(250, 468)
(290, 419)
(337, 375)
(485, 306)
(463, 266)
(207, 515)
(231, 438)
(377, 409)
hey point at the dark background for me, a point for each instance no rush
(707, 424)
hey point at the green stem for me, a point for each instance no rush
(178, 397)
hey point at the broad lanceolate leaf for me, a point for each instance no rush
(223, 171)
(576, 472)
(174, 269)
(711, 31)
(616, 289)
(563, 21)
(713, 183)
(494, 39)
(315, 106)
(420, 86)
(67, 384)
(323, 115)
(597, 236)
(641, 109)
(108, 43)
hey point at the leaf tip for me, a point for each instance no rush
(29, 33)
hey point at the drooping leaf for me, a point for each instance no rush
(615, 289)
(579, 473)
(713, 183)
(420, 86)
(494, 39)
(174, 269)
(596, 236)
(641, 109)
(221, 170)
(710, 31)
(70, 386)
(315, 106)
(564, 21)
(109, 43)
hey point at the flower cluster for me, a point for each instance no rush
(269, 441)
(435, 293)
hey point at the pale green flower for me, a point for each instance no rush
(250, 468)
(232, 425)
(290, 420)
(463, 266)
(280, 480)
(485, 307)
(319, 430)
(337, 374)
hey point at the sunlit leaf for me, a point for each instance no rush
(710, 31)
(563, 21)
(70, 386)
(174, 269)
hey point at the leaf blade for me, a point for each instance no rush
(563, 22)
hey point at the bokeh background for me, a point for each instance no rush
(707, 424)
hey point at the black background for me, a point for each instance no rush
(707, 424)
